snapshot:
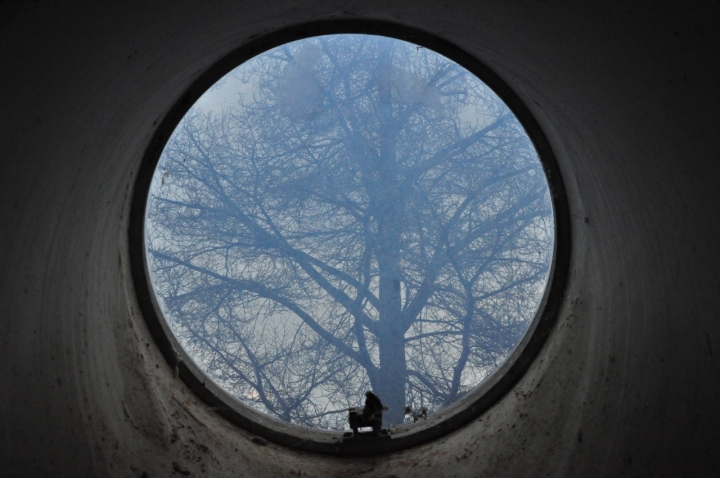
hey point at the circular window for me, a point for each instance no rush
(348, 213)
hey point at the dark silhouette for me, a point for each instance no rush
(368, 416)
(373, 405)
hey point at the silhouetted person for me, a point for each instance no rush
(368, 416)
(372, 405)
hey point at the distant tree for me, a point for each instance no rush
(373, 217)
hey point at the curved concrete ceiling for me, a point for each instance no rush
(627, 384)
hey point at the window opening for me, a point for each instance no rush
(347, 213)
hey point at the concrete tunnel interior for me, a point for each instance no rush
(626, 383)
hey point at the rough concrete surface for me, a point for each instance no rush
(628, 383)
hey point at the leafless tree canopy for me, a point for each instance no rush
(370, 217)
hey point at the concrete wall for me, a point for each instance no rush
(627, 385)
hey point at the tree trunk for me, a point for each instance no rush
(389, 207)
(393, 368)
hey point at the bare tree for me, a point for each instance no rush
(372, 217)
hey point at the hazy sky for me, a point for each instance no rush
(451, 111)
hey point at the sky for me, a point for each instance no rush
(230, 89)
